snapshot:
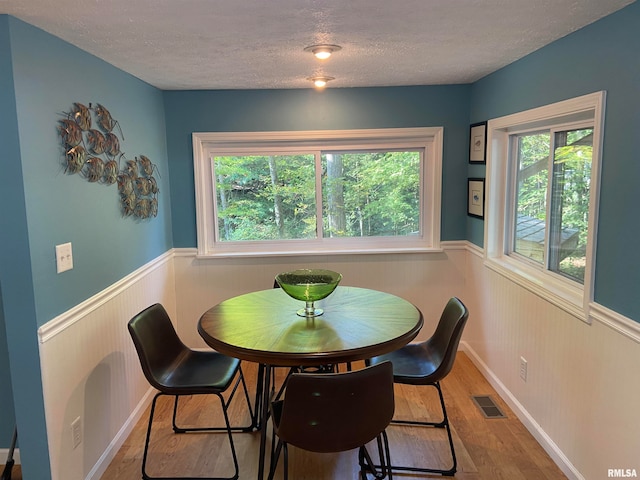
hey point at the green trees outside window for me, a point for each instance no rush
(355, 193)
(552, 199)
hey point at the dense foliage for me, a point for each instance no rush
(274, 197)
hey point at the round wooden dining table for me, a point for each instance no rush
(263, 327)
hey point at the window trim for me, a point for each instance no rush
(428, 138)
(562, 292)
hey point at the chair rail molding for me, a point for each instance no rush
(76, 313)
(621, 324)
(84, 353)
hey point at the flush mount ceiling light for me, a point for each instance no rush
(323, 51)
(320, 82)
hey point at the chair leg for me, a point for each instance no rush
(258, 421)
(364, 459)
(286, 462)
(442, 424)
(248, 428)
(385, 456)
(228, 429)
(247, 398)
(275, 456)
(277, 396)
(146, 442)
(367, 465)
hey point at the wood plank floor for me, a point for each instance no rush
(16, 472)
(487, 449)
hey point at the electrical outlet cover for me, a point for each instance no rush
(64, 257)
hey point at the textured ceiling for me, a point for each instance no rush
(258, 44)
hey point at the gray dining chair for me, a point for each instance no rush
(428, 363)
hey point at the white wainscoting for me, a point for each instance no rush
(90, 370)
(579, 400)
(426, 279)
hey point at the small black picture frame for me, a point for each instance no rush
(475, 197)
(478, 143)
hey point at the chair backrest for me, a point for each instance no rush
(335, 412)
(157, 344)
(443, 344)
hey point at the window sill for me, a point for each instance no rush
(314, 252)
(560, 293)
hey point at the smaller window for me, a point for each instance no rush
(552, 199)
(543, 182)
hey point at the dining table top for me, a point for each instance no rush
(263, 327)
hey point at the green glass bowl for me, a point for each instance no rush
(309, 285)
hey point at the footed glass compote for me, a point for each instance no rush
(309, 285)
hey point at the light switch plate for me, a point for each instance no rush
(64, 257)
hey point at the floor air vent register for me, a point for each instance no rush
(487, 406)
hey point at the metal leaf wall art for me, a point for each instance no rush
(94, 153)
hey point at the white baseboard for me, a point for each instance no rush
(523, 415)
(109, 454)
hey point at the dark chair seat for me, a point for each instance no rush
(427, 363)
(413, 364)
(176, 370)
(197, 371)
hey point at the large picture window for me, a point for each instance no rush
(543, 175)
(295, 192)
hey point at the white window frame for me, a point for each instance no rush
(557, 289)
(427, 138)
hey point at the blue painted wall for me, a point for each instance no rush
(42, 206)
(602, 56)
(6, 392)
(269, 110)
(63, 208)
(7, 115)
(18, 311)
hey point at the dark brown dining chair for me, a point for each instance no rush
(176, 370)
(427, 363)
(335, 412)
